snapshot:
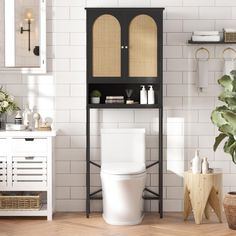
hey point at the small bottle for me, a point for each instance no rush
(196, 163)
(151, 97)
(27, 116)
(18, 118)
(36, 120)
(143, 95)
(205, 166)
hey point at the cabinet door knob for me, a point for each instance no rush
(122, 47)
(126, 47)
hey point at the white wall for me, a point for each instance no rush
(61, 93)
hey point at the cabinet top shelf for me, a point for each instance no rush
(123, 106)
(125, 8)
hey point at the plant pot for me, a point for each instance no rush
(95, 100)
(3, 120)
(230, 209)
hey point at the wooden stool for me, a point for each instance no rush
(200, 192)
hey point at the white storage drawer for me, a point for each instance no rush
(29, 171)
(26, 146)
(3, 147)
(3, 171)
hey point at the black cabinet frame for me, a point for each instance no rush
(124, 16)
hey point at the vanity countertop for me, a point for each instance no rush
(27, 134)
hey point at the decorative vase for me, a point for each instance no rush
(3, 120)
(230, 209)
(95, 100)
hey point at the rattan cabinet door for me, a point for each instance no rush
(106, 47)
(143, 47)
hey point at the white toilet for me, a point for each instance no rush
(123, 175)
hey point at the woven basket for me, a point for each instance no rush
(31, 202)
(229, 37)
(230, 209)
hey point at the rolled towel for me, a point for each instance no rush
(202, 72)
(206, 33)
(214, 38)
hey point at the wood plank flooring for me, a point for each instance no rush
(72, 224)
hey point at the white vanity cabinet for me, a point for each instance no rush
(26, 164)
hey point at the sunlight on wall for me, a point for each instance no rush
(175, 145)
(40, 96)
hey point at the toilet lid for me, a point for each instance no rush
(123, 168)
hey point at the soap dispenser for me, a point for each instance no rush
(27, 116)
(196, 163)
(151, 96)
(143, 95)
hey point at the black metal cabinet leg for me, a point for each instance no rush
(88, 163)
(161, 162)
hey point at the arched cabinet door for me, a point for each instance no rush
(106, 47)
(143, 49)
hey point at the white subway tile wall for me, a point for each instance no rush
(187, 126)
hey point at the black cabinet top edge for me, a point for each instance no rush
(125, 8)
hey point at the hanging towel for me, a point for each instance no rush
(202, 71)
(229, 66)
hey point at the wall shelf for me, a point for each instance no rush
(208, 42)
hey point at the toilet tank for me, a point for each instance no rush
(122, 145)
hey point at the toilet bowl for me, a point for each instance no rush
(123, 175)
(122, 193)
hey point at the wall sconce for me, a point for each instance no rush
(28, 16)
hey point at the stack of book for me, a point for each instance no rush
(114, 99)
(206, 36)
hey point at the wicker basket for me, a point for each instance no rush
(230, 209)
(229, 37)
(19, 202)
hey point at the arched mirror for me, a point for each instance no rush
(106, 50)
(143, 47)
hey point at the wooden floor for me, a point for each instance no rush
(69, 224)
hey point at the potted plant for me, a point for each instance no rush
(224, 117)
(7, 105)
(95, 96)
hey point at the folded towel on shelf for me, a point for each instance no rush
(230, 30)
(211, 38)
(206, 33)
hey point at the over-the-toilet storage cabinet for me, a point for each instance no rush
(26, 164)
(124, 51)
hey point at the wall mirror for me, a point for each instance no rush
(23, 36)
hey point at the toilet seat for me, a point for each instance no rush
(123, 168)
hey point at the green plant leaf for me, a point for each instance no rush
(230, 117)
(226, 82)
(216, 116)
(218, 140)
(230, 147)
(228, 144)
(226, 129)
